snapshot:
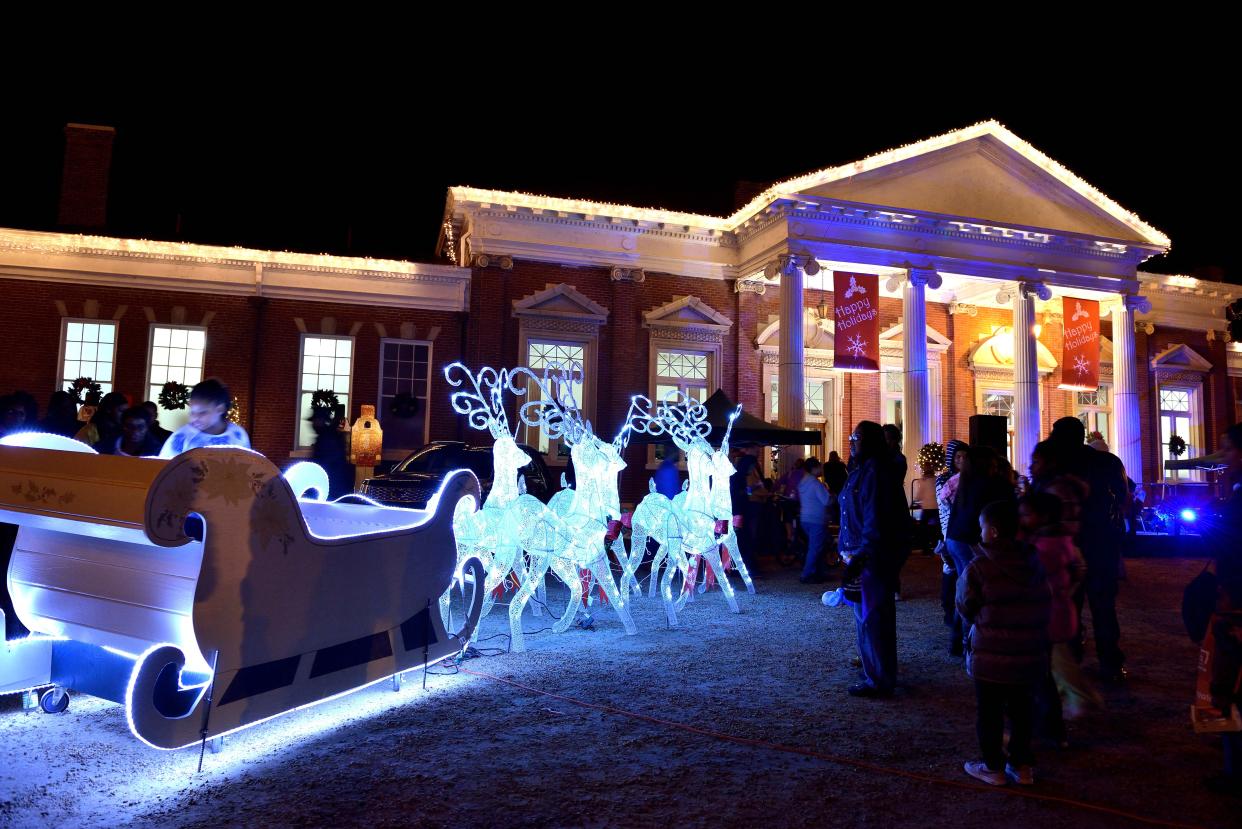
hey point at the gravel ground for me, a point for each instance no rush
(472, 751)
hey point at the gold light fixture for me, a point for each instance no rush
(367, 444)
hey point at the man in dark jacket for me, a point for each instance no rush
(745, 465)
(329, 452)
(979, 484)
(161, 434)
(874, 537)
(835, 473)
(892, 438)
(1101, 532)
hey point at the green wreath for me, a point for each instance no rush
(325, 399)
(1177, 446)
(174, 396)
(85, 391)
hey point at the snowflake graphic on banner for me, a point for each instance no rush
(857, 345)
(1080, 364)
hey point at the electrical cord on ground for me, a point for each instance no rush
(839, 760)
(452, 663)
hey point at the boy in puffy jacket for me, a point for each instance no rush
(1004, 596)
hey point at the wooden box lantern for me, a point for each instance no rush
(366, 443)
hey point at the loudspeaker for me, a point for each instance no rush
(990, 430)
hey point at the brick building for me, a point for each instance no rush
(975, 235)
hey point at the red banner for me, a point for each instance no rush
(1080, 351)
(856, 307)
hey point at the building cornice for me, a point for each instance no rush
(172, 266)
(881, 235)
(805, 213)
(1185, 302)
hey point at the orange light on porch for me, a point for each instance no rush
(366, 443)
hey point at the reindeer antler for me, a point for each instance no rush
(678, 415)
(483, 401)
(549, 412)
(636, 420)
(685, 415)
(640, 418)
(734, 415)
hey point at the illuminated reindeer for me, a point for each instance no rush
(722, 502)
(490, 532)
(657, 517)
(573, 538)
(686, 526)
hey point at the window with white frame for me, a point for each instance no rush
(680, 370)
(405, 369)
(1177, 420)
(683, 371)
(999, 402)
(892, 395)
(174, 354)
(542, 354)
(1095, 410)
(815, 400)
(327, 363)
(87, 349)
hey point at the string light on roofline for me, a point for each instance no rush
(45, 242)
(798, 184)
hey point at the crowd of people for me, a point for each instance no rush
(117, 428)
(1023, 559)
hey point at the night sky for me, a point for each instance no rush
(339, 177)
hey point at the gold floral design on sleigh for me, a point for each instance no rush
(229, 485)
(35, 493)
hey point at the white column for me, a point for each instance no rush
(1128, 444)
(791, 381)
(916, 387)
(1026, 429)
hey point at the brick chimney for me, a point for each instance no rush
(84, 180)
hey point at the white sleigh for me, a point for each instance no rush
(284, 602)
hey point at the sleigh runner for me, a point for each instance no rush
(149, 582)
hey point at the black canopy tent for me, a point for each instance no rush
(748, 430)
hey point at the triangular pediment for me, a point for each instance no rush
(993, 177)
(935, 340)
(560, 300)
(1180, 357)
(686, 312)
